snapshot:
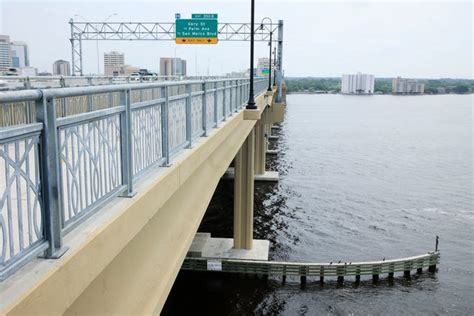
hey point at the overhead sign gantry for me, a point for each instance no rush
(166, 31)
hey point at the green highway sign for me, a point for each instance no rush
(265, 71)
(204, 16)
(196, 31)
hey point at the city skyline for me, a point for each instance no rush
(388, 48)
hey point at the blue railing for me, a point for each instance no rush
(68, 151)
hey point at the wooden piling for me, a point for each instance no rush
(303, 281)
(419, 270)
(375, 278)
(407, 274)
(432, 268)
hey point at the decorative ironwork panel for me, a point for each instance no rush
(104, 100)
(196, 115)
(177, 123)
(90, 165)
(17, 113)
(177, 90)
(21, 221)
(210, 111)
(146, 137)
(71, 105)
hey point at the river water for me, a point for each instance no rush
(362, 178)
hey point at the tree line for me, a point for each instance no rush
(382, 85)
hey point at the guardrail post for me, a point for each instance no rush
(126, 144)
(62, 82)
(204, 109)
(165, 144)
(231, 97)
(49, 173)
(216, 115)
(27, 83)
(224, 107)
(89, 96)
(189, 121)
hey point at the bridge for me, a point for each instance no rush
(103, 187)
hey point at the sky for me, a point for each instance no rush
(411, 39)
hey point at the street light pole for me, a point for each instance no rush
(274, 75)
(251, 102)
(270, 65)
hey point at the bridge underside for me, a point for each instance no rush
(125, 258)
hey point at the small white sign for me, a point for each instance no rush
(214, 265)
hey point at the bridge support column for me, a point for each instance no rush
(261, 146)
(243, 194)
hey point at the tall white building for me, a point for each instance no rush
(62, 68)
(5, 53)
(407, 86)
(113, 63)
(19, 54)
(172, 66)
(357, 84)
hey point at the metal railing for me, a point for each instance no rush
(46, 82)
(68, 151)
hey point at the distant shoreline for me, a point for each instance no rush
(372, 94)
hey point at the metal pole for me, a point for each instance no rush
(251, 102)
(50, 183)
(280, 58)
(72, 48)
(274, 64)
(126, 144)
(80, 55)
(270, 64)
(98, 66)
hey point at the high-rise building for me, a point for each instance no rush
(263, 67)
(5, 53)
(19, 54)
(172, 66)
(407, 86)
(113, 63)
(357, 84)
(62, 68)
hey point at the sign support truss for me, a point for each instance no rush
(157, 31)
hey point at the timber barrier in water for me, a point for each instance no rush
(338, 270)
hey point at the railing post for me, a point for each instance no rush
(49, 173)
(126, 144)
(189, 136)
(62, 82)
(216, 115)
(204, 109)
(165, 144)
(89, 96)
(224, 107)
